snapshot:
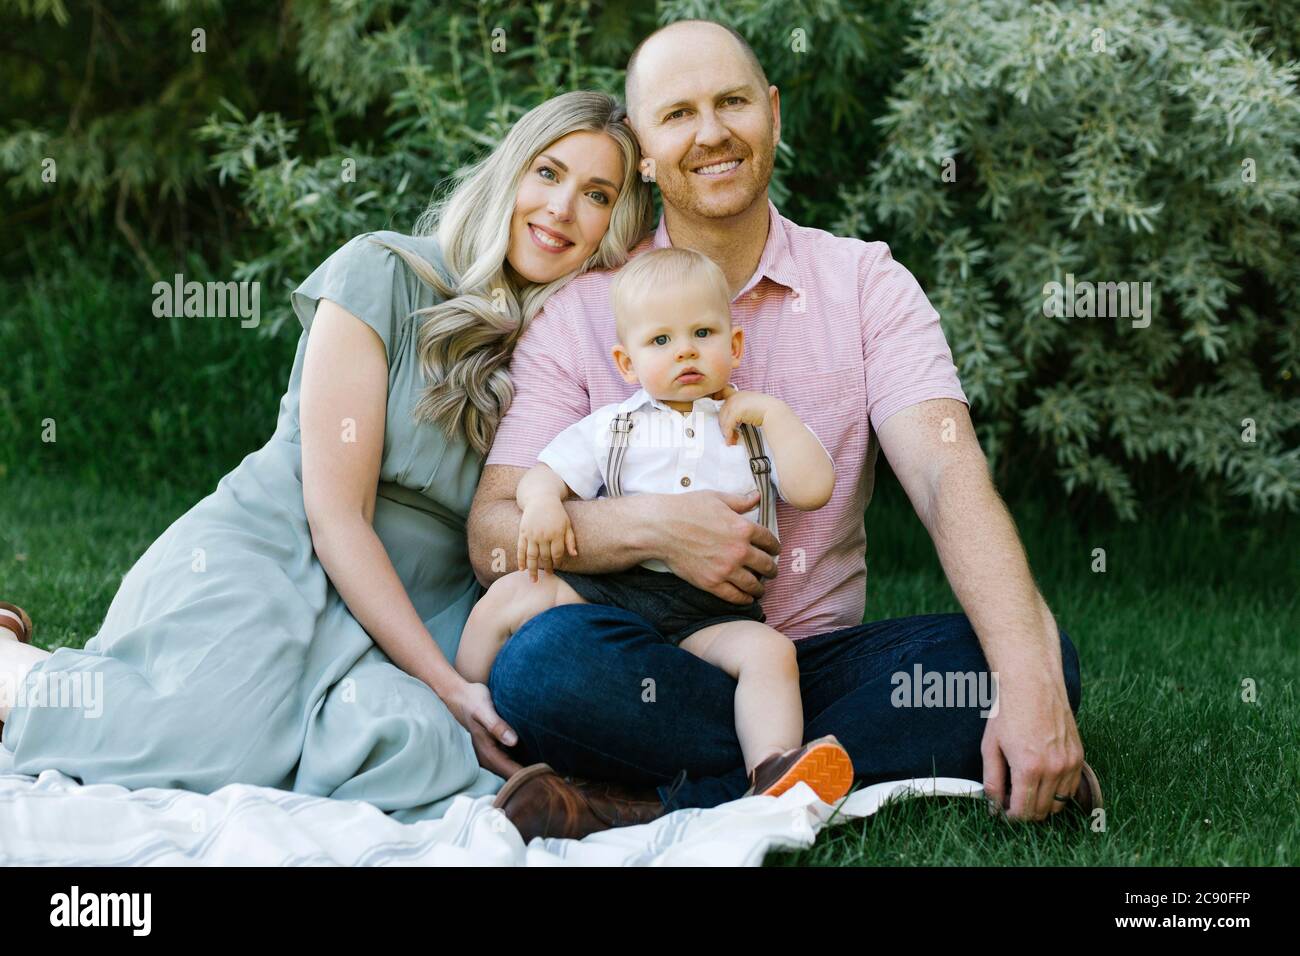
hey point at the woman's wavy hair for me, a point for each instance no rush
(465, 342)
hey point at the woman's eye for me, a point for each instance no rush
(599, 196)
(657, 340)
(547, 169)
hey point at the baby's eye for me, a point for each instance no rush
(702, 333)
(657, 339)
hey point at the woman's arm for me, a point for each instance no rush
(342, 409)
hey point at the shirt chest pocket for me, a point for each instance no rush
(832, 404)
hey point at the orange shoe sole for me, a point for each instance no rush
(826, 768)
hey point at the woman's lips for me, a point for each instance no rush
(541, 243)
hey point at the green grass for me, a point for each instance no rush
(1185, 612)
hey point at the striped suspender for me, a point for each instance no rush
(619, 428)
(759, 464)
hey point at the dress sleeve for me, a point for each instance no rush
(368, 280)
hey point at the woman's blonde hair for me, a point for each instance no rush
(465, 342)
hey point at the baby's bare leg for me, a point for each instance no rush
(769, 709)
(509, 602)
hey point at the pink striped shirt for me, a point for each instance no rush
(833, 326)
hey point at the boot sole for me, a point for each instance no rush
(826, 768)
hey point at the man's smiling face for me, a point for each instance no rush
(705, 119)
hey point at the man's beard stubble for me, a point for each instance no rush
(682, 194)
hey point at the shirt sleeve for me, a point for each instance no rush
(550, 391)
(572, 454)
(904, 352)
(366, 279)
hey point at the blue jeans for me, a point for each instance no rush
(595, 692)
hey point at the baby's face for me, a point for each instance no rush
(680, 346)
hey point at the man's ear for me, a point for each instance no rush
(774, 97)
(623, 362)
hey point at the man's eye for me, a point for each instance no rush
(734, 99)
(657, 340)
(673, 114)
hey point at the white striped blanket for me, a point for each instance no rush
(52, 820)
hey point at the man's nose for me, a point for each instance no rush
(711, 132)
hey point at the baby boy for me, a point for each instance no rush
(679, 432)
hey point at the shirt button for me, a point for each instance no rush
(690, 433)
(686, 482)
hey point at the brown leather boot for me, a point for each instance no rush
(541, 803)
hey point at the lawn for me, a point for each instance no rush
(1185, 612)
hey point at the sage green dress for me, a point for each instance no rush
(227, 656)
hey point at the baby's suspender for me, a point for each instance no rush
(759, 464)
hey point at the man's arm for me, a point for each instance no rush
(933, 450)
(701, 535)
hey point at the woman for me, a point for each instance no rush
(295, 628)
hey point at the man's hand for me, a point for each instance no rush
(544, 535)
(708, 542)
(1034, 731)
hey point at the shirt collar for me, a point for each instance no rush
(641, 398)
(776, 262)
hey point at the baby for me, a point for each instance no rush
(678, 433)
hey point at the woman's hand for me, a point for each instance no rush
(544, 534)
(471, 705)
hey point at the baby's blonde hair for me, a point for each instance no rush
(659, 269)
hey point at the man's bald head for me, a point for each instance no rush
(666, 34)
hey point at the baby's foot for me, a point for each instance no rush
(822, 764)
(14, 620)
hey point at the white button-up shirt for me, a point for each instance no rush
(667, 453)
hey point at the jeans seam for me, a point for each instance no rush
(533, 726)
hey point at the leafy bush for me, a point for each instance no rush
(1108, 142)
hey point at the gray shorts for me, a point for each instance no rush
(675, 608)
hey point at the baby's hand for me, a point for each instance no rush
(749, 408)
(544, 534)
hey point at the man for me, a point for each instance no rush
(843, 333)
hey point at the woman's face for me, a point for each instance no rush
(563, 205)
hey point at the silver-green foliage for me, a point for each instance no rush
(1115, 142)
